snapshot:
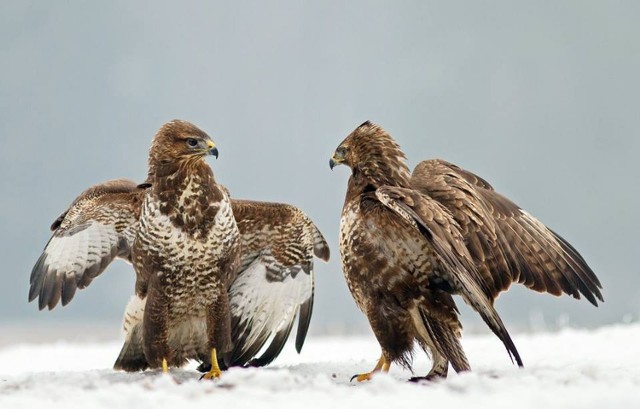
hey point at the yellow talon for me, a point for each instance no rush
(215, 371)
(363, 377)
(165, 366)
(382, 365)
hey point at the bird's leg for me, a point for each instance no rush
(215, 371)
(155, 331)
(438, 370)
(219, 332)
(382, 365)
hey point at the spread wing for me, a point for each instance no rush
(455, 267)
(98, 227)
(275, 281)
(507, 243)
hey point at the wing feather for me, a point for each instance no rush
(507, 244)
(274, 349)
(275, 282)
(263, 307)
(306, 309)
(97, 228)
(436, 224)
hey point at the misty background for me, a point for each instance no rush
(539, 98)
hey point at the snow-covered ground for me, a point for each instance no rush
(569, 369)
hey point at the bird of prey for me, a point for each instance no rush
(408, 242)
(187, 247)
(274, 282)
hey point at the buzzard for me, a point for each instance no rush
(274, 282)
(408, 242)
(187, 247)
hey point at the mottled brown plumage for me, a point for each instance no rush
(274, 282)
(274, 285)
(186, 249)
(409, 242)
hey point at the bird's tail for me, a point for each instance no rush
(479, 301)
(473, 293)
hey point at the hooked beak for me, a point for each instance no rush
(212, 150)
(335, 160)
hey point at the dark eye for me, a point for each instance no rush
(341, 151)
(192, 142)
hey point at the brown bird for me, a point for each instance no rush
(408, 242)
(274, 283)
(187, 246)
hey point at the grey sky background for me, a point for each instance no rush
(539, 98)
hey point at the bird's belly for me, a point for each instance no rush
(187, 338)
(187, 268)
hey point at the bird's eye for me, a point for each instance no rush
(192, 142)
(341, 151)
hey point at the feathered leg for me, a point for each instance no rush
(392, 327)
(219, 332)
(439, 368)
(155, 328)
(440, 338)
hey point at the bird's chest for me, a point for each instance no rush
(191, 203)
(362, 262)
(377, 256)
(187, 261)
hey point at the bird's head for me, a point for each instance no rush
(177, 142)
(371, 152)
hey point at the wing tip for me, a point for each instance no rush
(591, 285)
(304, 319)
(322, 251)
(274, 349)
(320, 245)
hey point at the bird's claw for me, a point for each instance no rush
(382, 365)
(215, 371)
(362, 377)
(212, 374)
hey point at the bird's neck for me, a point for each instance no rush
(371, 175)
(189, 195)
(382, 167)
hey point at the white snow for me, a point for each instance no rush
(568, 369)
